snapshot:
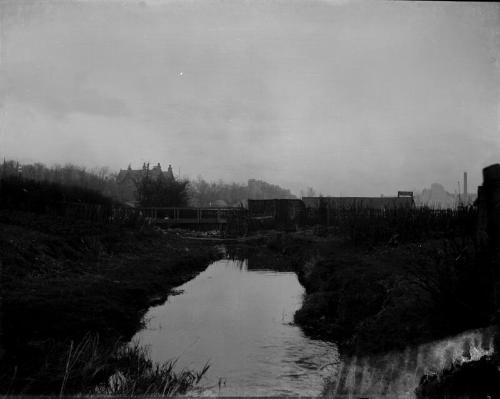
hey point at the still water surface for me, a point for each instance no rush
(239, 320)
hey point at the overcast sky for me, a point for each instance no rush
(351, 98)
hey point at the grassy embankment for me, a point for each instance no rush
(73, 292)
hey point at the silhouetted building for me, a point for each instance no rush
(128, 179)
(488, 203)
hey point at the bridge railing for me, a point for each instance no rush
(187, 215)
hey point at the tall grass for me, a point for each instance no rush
(459, 278)
(138, 374)
(370, 226)
(91, 367)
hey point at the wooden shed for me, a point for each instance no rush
(285, 214)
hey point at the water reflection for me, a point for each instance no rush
(240, 321)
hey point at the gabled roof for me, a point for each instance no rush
(137, 175)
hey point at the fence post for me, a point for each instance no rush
(488, 227)
(488, 220)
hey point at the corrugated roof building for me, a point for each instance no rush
(285, 214)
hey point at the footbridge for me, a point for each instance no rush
(189, 216)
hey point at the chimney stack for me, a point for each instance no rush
(465, 186)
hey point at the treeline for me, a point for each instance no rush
(203, 193)
(258, 189)
(196, 192)
(161, 192)
(32, 195)
(69, 201)
(97, 179)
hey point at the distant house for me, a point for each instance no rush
(128, 179)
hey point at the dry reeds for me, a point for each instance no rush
(91, 367)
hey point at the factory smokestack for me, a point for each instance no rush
(465, 186)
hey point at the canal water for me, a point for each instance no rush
(240, 321)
